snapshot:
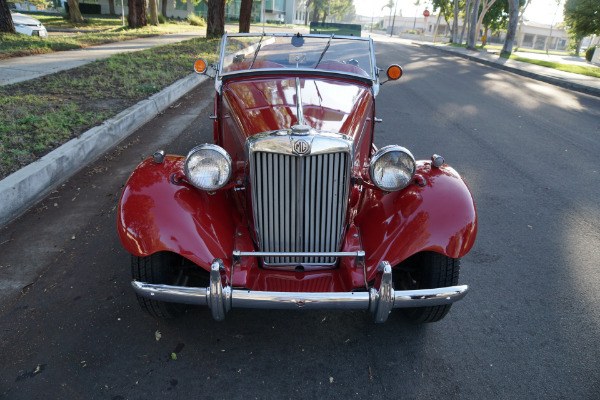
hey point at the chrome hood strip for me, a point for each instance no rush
(299, 109)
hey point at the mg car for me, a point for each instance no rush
(292, 206)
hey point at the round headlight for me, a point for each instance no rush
(392, 168)
(208, 167)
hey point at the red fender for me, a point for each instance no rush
(439, 216)
(156, 214)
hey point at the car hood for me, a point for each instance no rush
(328, 104)
(24, 19)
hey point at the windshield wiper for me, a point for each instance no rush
(257, 50)
(324, 50)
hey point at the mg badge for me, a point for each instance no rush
(301, 147)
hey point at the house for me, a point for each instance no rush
(281, 11)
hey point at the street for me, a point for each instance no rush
(70, 325)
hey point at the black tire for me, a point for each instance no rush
(160, 268)
(431, 270)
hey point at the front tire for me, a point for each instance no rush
(431, 270)
(160, 268)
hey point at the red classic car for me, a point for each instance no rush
(292, 206)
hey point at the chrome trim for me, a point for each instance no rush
(437, 160)
(373, 70)
(380, 302)
(237, 253)
(213, 147)
(387, 149)
(283, 204)
(299, 109)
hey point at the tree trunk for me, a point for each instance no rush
(245, 16)
(215, 18)
(513, 21)
(153, 12)
(111, 7)
(473, 33)
(308, 3)
(437, 26)
(455, 23)
(164, 8)
(6, 22)
(137, 17)
(462, 32)
(74, 12)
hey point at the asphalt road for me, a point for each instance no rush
(529, 328)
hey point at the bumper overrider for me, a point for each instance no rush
(221, 299)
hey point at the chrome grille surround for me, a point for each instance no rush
(299, 201)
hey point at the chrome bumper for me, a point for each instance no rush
(380, 302)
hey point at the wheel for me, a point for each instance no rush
(428, 270)
(160, 268)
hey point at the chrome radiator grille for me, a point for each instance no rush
(299, 204)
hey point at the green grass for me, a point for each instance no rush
(576, 69)
(39, 115)
(100, 31)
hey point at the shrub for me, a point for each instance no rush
(196, 20)
(589, 53)
(161, 19)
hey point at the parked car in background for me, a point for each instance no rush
(28, 25)
(292, 206)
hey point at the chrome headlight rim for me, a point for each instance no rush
(379, 155)
(213, 147)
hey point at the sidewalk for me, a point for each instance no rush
(18, 69)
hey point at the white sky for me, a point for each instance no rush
(539, 10)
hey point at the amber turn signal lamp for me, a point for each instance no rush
(200, 66)
(394, 72)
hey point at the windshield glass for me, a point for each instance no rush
(252, 52)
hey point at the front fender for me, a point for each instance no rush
(156, 214)
(439, 216)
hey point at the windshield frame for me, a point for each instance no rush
(372, 73)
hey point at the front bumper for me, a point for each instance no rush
(380, 302)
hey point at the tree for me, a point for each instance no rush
(137, 16)
(74, 12)
(111, 7)
(582, 18)
(513, 22)
(215, 18)
(6, 22)
(473, 33)
(164, 8)
(337, 9)
(245, 16)
(390, 4)
(153, 11)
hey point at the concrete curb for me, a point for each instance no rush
(544, 78)
(22, 189)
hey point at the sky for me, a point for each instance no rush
(539, 10)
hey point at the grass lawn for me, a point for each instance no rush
(576, 69)
(39, 115)
(95, 31)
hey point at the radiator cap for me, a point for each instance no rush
(300, 129)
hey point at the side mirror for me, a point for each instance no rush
(394, 72)
(201, 67)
